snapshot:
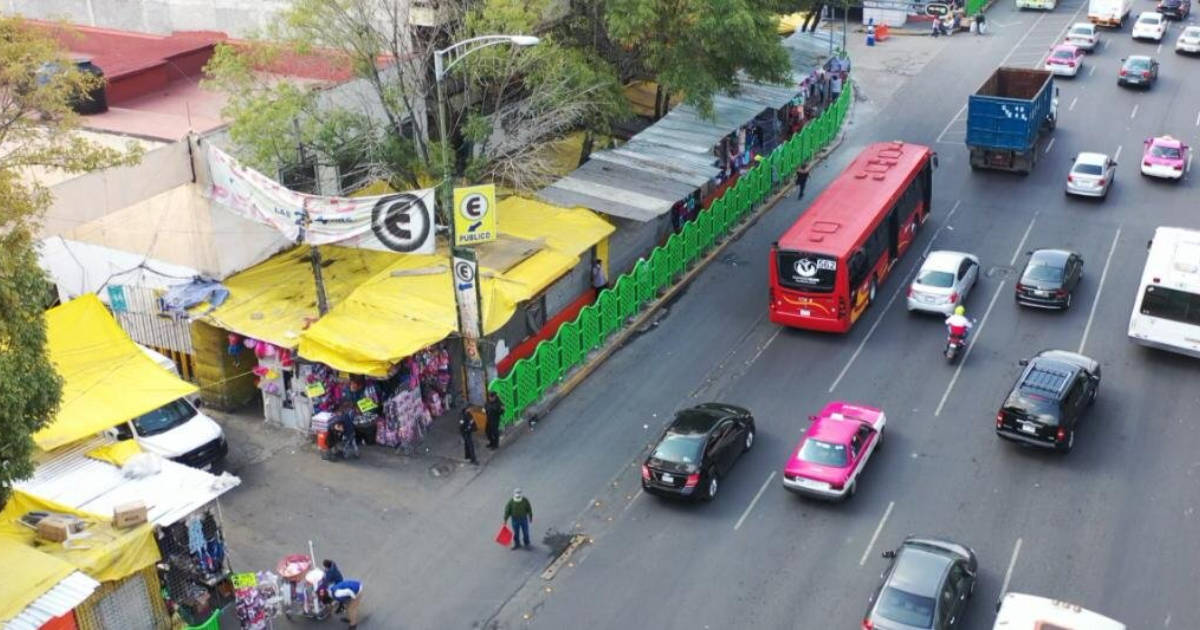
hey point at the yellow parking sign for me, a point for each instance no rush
(475, 214)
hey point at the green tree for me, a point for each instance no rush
(699, 47)
(37, 85)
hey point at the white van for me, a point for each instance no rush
(1109, 12)
(177, 430)
(1018, 611)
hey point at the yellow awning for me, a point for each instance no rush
(107, 379)
(410, 305)
(276, 299)
(106, 554)
(791, 23)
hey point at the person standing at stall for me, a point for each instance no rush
(494, 409)
(466, 426)
(348, 594)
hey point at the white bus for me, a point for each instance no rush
(1166, 311)
(1018, 611)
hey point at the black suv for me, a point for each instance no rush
(1048, 400)
(698, 448)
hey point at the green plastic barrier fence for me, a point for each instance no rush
(554, 358)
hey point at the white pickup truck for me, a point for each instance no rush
(1109, 12)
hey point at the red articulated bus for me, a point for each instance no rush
(827, 266)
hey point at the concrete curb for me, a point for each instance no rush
(557, 393)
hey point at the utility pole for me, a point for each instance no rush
(314, 253)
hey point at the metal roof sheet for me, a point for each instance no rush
(69, 477)
(62, 598)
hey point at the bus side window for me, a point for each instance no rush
(858, 269)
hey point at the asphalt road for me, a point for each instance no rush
(1112, 526)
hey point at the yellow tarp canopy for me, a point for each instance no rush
(791, 23)
(410, 305)
(34, 566)
(276, 299)
(116, 453)
(107, 379)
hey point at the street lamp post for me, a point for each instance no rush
(464, 280)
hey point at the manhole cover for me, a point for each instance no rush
(440, 470)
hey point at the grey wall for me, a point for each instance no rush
(236, 17)
(633, 240)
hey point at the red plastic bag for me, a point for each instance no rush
(504, 536)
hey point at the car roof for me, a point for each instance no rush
(1167, 141)
(1091, 158)
(1192, 30)
(696, 420)
(1066, 47)
(919, 569)
(1087, 25)
(944, 260)
(1140, 58)
(1046, 256)
(1154, 15)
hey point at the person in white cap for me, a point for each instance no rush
(520, 512)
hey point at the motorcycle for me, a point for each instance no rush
(956, 344)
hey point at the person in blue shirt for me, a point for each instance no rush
(348, 593)
(333, 574)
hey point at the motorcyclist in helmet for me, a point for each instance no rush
(958, 324)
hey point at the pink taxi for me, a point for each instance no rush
(1164, 156)
(834, 450)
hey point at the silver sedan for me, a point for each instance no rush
(1091, 175)
(943, 282)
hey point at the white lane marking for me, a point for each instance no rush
(951, 123)
(755, 501)
(907, 279)
(1061, 33)
(1104, 44)
(1117, 155)
(1189, 162)
(975, 334)
(1021, 245)
(875, 536)
(861, 345)
(1159, 51)
(1023, 37)
(933, 239)
(1049, 145)
(1198, 119)
(1096, 301)
(1134, 112)
(1073, 101)
(632, 501)
(1092, 71)
(764, 347)
(1011, 563)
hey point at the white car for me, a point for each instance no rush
(1065, 60)
(943, 282)
(1084, 35)
(1189, 40)
(1091, 175)
(1150, 25)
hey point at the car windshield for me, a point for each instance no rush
(1044, 273)
(906, 608)
(164, 418)
(1138, 64)
(1088, 169)
(1159, 151)
(1191, 32)
(823, 453)
(1149, 20)
(935, 278)
(1082, 31)
(1063, 53)
(679, 448)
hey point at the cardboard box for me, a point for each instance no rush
(55, 528)
(129, 514)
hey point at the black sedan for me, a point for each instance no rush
(1178, 9)
(696, 450)
(1049, 278)
(1138, 70)
(927, 585)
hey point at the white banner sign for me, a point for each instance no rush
(401, 222)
